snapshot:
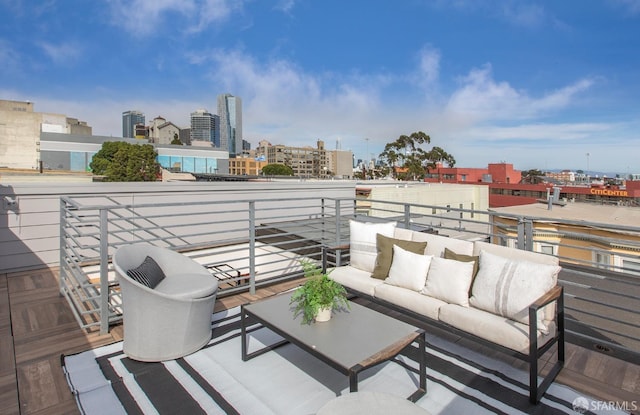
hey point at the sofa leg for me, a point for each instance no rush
(537, 391)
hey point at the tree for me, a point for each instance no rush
(120, 161)
(176, 140)
(533, 176)
(277, 170)
(406, 151)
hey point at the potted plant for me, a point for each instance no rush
(318, 293)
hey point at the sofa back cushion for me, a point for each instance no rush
(515, 254)
(402, 233)
(362, 240)
(384, 247)
(437, 243)
(506, 286)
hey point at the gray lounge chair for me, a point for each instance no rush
(171, 320)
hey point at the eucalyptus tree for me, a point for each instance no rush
(407, 152)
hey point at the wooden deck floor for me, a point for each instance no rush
(37, 327)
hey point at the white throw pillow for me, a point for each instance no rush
(449, 281)
(362, 242)
(507, 287)
(408, 270)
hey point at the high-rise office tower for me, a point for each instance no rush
(205, 127)
(230, 112)
(129, 121)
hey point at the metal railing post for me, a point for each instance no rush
(252, 247)
(407, 216)
(63, 273)
(521, 234)
(528, 230)
(338, 251)
(104, 271)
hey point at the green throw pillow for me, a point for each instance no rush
(384, 247)
(449, 254)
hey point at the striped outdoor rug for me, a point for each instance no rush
(288, 380)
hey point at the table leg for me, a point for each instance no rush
(353, 381)
(423, 362)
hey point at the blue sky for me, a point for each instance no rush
(539, 84)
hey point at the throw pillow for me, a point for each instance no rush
(408, 270)
(148, 273)
(449, 280)
(449, 254)
(507, 287)
(384, 248)
(362, 242)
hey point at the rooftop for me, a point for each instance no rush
(37, 327)
(612, 215)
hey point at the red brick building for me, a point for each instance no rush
(494, 173)
(505, 188)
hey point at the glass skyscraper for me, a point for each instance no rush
(129, 121)
(230, 112)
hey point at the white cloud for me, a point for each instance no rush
(631, 6)
(8, 55)
(482, 98)
(429, 66)
(144, 17)
(539, 131)
(517, 13)
(521, 14)
(286, 103)
(62, 53)
(286, 5)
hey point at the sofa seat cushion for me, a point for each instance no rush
(497, 329)
(411, 300)
(188, 286)
(355, 278)
(362, 242)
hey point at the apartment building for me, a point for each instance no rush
(246, 166)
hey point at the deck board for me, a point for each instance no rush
(37, 327)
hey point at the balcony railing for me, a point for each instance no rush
(249, 243)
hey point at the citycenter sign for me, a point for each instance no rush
(609, 192)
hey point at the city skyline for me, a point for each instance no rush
(545, 84)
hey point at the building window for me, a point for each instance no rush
(631, 266)
(602, 260)
(546, 249)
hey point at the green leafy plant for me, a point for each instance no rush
(319, 291)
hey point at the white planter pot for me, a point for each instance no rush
(324, 314)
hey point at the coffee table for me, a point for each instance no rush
(352, 341)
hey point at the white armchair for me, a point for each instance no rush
(174, 318)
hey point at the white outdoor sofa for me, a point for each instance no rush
(168, 320)
(512, 300)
